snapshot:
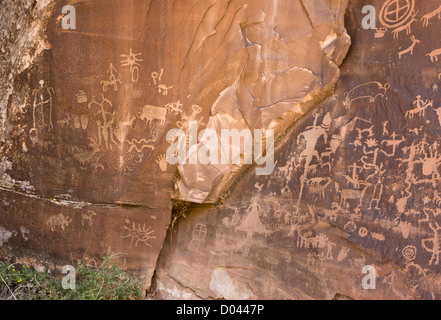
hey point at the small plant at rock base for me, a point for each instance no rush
(102, 281)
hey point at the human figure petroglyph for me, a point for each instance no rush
(354, 178)
(433, 245)
(314, 262)
(336, 142)
(426, 18)
(157, 76)
(185, 119)
(437, 198)
(114, 79)
(438, 112)
(421, 107)
(378, 189)
(311, 137)
(410, 49)
(394, 143)
(42, 110)
(106, 123)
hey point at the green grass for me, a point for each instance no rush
(102, 281)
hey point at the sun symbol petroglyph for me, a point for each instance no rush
(138, 233)
(395, 13)
(132, 60)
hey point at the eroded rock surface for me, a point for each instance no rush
(356, 184)
(85, 112)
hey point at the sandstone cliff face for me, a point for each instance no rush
(85, 114)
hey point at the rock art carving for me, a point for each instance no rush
(368, 91)
(132, 60)
(138, 233)
(59, 221)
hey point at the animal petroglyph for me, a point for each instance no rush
(351, 194)
(151, 113)
(409, 49)
(407, 27)
(434, 55)
(426, 18)
(420, 109)
(59, 221)
(164, 89)
(368, 91)
(87, 217)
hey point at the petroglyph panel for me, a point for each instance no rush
(356, 182)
